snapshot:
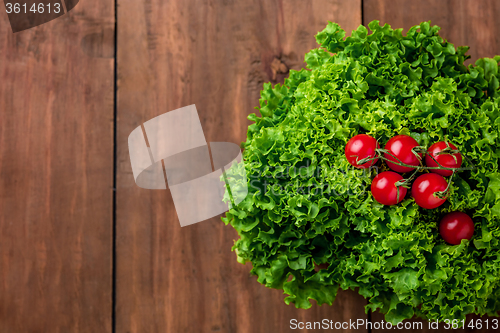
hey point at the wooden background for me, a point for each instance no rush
(82, 248)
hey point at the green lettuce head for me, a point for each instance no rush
(306, 206)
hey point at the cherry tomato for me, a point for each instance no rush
(359, 147)
(445, 159)
(401, 147)
(456, 226)
(424, 189)
(384, 188)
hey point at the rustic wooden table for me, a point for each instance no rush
(82, 248)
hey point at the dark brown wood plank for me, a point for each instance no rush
(463, 22)
(217, 55)
(56, 166)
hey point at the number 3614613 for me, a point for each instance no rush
(40, 8)
(473, 323)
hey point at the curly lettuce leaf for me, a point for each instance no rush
(306, 206)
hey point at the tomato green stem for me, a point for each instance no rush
(444, 194)
(418, 167)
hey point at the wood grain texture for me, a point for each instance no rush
(463, 22)
(215, 54)
(56, 166)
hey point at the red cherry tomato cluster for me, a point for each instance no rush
(403, 154)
